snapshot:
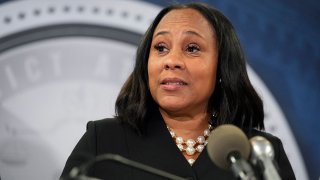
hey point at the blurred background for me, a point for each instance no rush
(63, 62)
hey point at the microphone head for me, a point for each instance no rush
(224, 141)
(261, 147)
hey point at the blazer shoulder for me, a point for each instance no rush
(104, 124)
(274, 140)
(102, 137)
(109, 135)
(256, 132)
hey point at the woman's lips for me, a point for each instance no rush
(172, 83)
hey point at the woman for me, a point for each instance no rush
(189, 77)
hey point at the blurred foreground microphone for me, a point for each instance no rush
(80, 173)
(228, 147)
(262, 156)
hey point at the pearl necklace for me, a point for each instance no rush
(191, 146)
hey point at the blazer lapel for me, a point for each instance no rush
(156, 148)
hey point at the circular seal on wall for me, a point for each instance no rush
(62, 63)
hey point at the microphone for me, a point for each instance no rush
(262, 156)
(229, 148)
(80, 173)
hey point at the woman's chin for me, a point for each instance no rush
(173, 107)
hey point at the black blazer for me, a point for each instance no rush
(154, 148)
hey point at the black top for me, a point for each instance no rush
(154, 148)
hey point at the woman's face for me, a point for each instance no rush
(183, 62)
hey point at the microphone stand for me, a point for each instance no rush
(241, 168)
(81, 172)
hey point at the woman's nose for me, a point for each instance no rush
(174, 60)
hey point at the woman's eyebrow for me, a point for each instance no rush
(161, 33)
(190, 32)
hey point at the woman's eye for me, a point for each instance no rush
(192, 48)
(161, 48)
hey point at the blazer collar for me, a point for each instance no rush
(156, 148)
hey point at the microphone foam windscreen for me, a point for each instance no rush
(223, 141)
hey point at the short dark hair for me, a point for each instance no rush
(234, 98)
